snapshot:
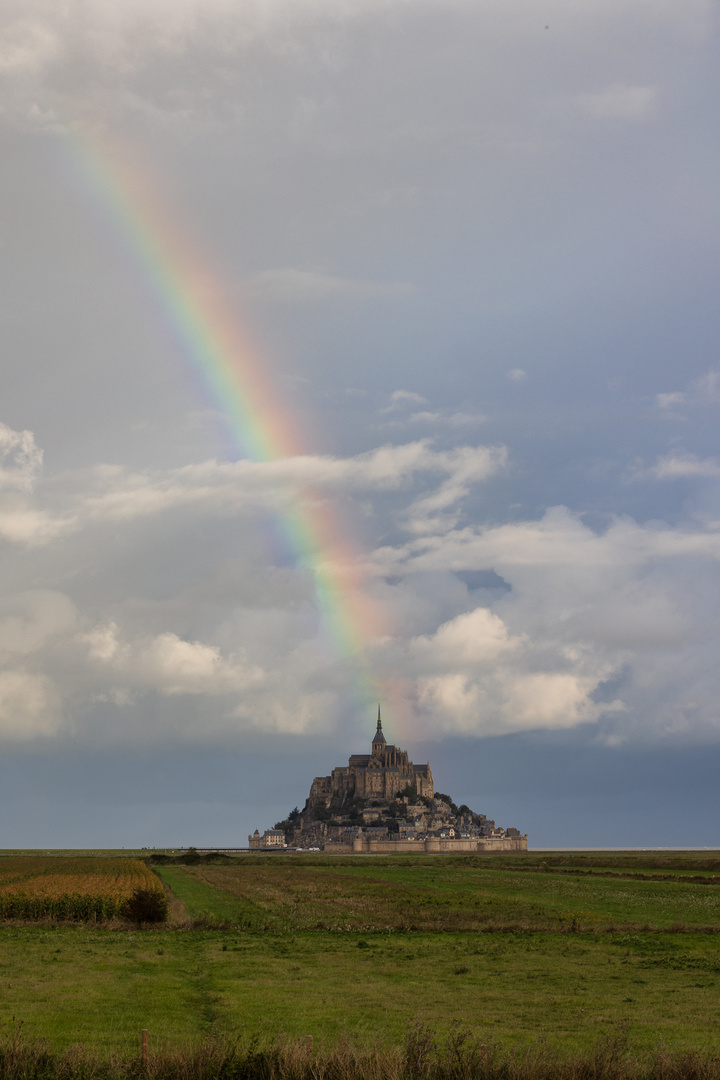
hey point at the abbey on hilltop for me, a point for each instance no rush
(381, 774)
(381, 802)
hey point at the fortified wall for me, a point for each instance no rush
(365, 845)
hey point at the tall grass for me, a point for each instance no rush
(460, 1055)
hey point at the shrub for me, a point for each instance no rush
(146, 905)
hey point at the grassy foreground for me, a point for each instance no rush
(73, 985)
(496, 952)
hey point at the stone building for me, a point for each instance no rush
(271, 838)
(381, 774)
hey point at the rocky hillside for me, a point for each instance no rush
(407, 815)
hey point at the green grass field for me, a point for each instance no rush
(448, 893)
(295, 946)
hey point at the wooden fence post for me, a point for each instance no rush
(144, 1047)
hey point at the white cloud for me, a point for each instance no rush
(517, 375)
(170, 665)
(23, 523)
(507, 701)
(112, 494)
(247, 644)
(558, 541)
(20, 459)
(583, 607)
(672, 401)
(21, 520)
(676, 466)
(466, 466)
(399, 399)
(475, 677)
(143, 647)
(636, 603)
(29, 620)
(704, 390)
(550, 700)
(28, 706)
(472, 639)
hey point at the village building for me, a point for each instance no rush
(271, 838)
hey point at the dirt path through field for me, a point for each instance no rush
(177, 912)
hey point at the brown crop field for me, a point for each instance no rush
(80, 888)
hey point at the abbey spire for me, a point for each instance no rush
(379, 742)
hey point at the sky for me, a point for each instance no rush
(357, 350)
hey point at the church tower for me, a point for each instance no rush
(379, 741)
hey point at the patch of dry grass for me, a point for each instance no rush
(462, 1054)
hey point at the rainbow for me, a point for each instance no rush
(237, 380)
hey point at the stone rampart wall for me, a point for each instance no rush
(433, 844)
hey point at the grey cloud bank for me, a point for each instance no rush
(478, 247)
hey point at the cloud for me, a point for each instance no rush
(114, 494)
(702, 391)
(21, 522)
(27, 46)
(28, 706)
(146, 648)
(192, 63)
(51, 666)
(243, 639)
(678, 466)
(159, 598)
(619, 101)
(475, 677)
(541, 701)
(551, 700)
(467, 466)
(559, 541)
(29, 620)
(168, 664)
(447, 419)
(20, 459)
(472, 639)
(610, 628)
(633, 607)
(399, 399)
(667, 402)
(307, 286)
